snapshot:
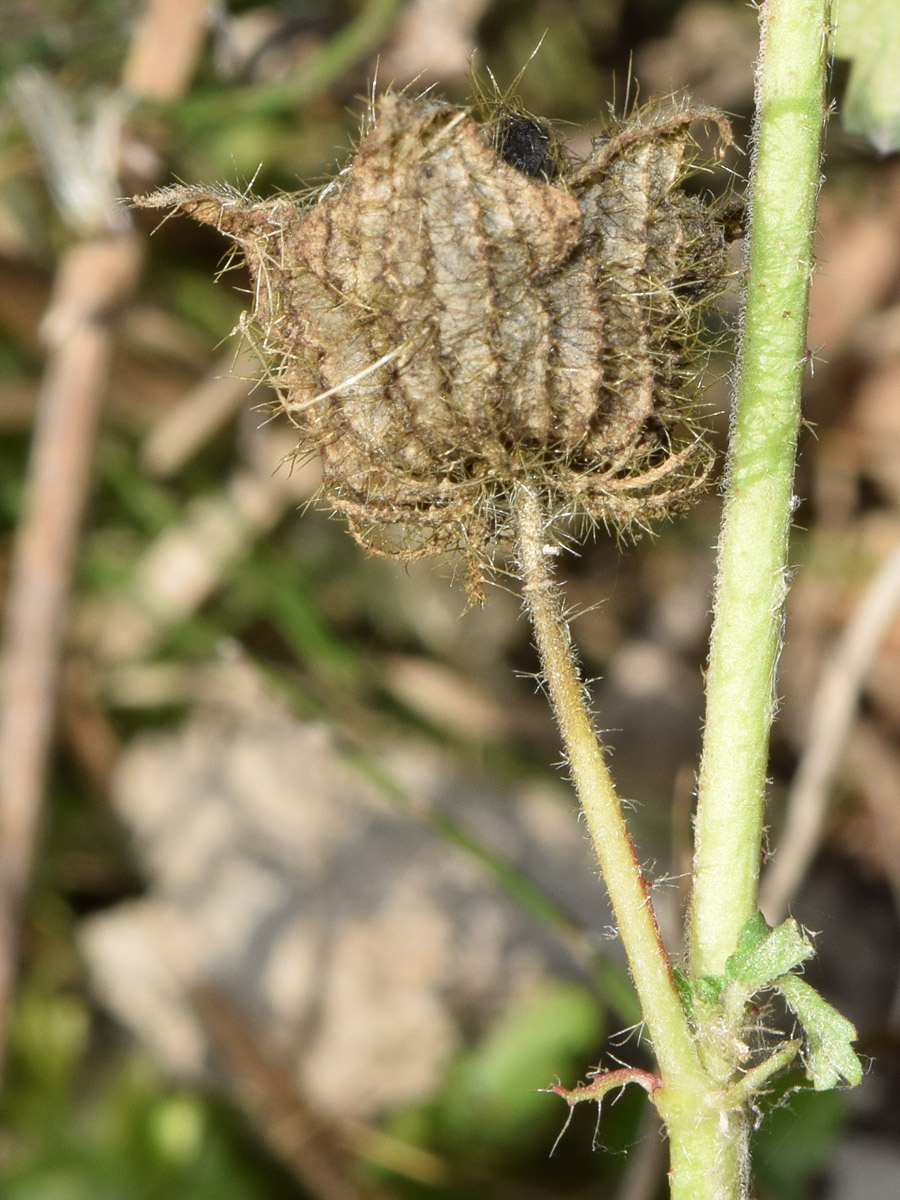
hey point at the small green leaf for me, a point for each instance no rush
(708, 989)
(685, 990)
(763, 954)
(868, 33)
(754, 931)
(830, 1055)
(752, 1082)
(697, 994)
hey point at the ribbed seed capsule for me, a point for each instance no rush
(441, 321)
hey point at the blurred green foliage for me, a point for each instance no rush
(793, 1144)
(76, 1129)
(491, 1104)
(85, 38)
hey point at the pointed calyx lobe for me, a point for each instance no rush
(442, 320)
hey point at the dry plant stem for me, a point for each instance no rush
(91, 281)
(704, 1163)
(166, 47)
(834, 707)
(313, 1149)
(752, 578)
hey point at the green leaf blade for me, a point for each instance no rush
(830, 1054)
(764, 954)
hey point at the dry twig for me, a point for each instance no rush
(94, 279)
(833, 710)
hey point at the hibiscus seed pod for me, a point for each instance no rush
(462, 308)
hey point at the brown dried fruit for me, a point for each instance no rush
(461, 309)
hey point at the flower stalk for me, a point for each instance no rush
(706, 1154)
(628, 889)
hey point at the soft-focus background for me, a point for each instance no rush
(311, 913)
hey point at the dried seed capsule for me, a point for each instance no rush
(461, 309)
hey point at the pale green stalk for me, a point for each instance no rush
(628, 892)
(706, 1162)
(753, 573)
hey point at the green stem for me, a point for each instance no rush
(752, 578)
(706, 1142)
(628, 890)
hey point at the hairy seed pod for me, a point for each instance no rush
(462, 308)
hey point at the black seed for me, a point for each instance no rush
(526, 145)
